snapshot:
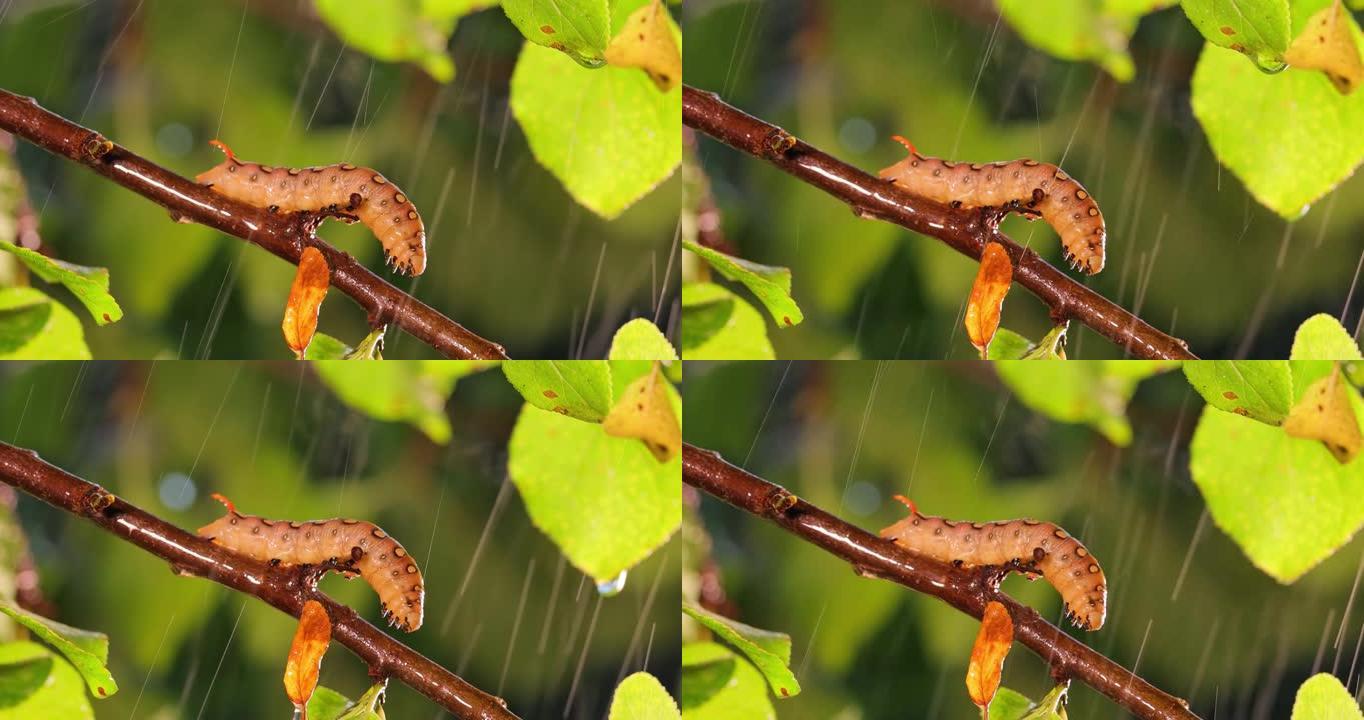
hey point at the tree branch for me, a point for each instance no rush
(964, 230)
(284, 235)
(966, 589)
(283, 587)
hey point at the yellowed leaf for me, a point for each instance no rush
(1328, 45)
(644, 412)
(305, 300)
(987, 296)
(646, 42)
(987, 656)
(1325, 414)
(311, 639)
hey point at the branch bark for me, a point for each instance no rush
(964, 230)
(285, 588)
(284, 235)
(966, 589)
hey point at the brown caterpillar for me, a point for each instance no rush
(375, 201)
(1027, 187)
(1027, 546)
(375, 556)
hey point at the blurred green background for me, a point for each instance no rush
(272, 438)
(1189, 249)
(511, 256)
(848, 435)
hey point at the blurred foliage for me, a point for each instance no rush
(512, 256)
(276, 439)
(1206, 623)
(1190, 249)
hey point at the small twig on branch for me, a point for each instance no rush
(964, 229)
(284, 235)
(285, 588)
(966, 589)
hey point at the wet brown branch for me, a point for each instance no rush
(966, 589)
(964, 230)
(284, 235)
(283, 587)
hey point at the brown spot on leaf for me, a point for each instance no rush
(547, 29)
(1226, 30)
(551, 394)
(1229, 395)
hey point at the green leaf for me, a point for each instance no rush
(605, 501)
(326, 704)
(1260, 390)
(580, 29)
(1259, 28)
(326, 347)
(21, 678)
(1290, 137)
(88, 651)
(771, 284)
(640, 339)
(1322, 337)
(769, 651)
(1285, 501)
(718, 325)
(397, 30)
(59, 338)
(370, 348)
(642, 697)
(1086, 30)
(1094, 393)
(1322, 697)
(580, 389)
(20, 325)
(410, 392)
(1051, 346)
(61, 695)
(608, 135)
(703, 679)
(1009, 705)
(742, 696)
(368, 706)
(90, 285)
(1050, 707)
(1007, 345)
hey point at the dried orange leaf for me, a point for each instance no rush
(987, 657)
(646, 42)
(305, 300)
(1325, 414)
(645, 412)
(1326, 44)
(987, 296)
(311, 639)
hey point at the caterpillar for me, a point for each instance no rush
(1027, 187)
(1028, 546)
(375, 556)
(375, 201)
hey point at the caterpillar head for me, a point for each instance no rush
(219, 527)
(220, 173)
